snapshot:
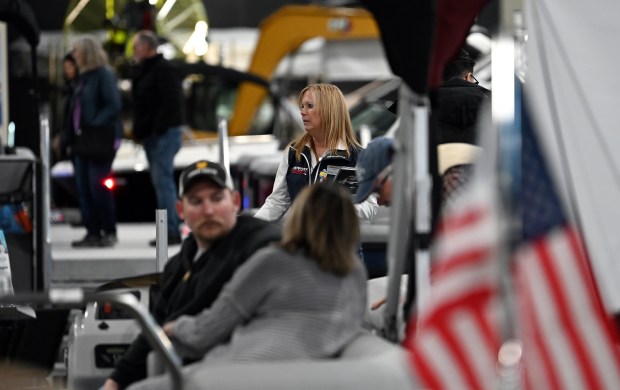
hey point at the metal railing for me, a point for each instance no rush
(78, 297)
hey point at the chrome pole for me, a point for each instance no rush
(222, 133)
(161, 239)
(503, 106)
(46, 241)
(400, 211)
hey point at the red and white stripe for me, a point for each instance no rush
(567, 337)
(457, 338)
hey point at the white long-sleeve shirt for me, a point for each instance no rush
(277, 204)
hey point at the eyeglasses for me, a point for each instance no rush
(381, 179)
(475, 80)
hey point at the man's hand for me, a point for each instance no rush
(168, 328)
(110, 384)
(378, 303)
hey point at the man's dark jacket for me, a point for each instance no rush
(157, 97)
(459, 102)
(188, 287)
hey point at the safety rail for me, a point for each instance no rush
(152, 331)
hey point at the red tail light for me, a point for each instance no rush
(110, 183)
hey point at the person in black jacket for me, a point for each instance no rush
(220, 242)
(157, 119)
(459, 98)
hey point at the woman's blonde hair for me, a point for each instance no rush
(324, 223)
(335, 118)
(92, 54)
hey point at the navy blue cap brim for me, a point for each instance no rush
(364, 189)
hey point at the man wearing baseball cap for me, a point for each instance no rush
(374, 171)
(204, 170)
(220, 241)
(374, 176)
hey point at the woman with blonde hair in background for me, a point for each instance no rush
(327, 143)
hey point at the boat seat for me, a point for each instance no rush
(368, 362)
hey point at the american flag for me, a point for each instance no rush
(455, 341)
(568, 339)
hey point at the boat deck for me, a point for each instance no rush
(131, 256)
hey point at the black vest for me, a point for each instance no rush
(301, 174)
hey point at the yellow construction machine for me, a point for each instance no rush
(284, 32)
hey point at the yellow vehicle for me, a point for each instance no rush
(284, 32)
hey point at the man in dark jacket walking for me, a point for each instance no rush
(157, 120)
(220, 242)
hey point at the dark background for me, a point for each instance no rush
(220, 13)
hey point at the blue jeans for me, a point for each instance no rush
(160, 151)
(96, 201)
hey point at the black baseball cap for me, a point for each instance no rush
(204, 170)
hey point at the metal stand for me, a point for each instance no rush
(78, 297)
(222, 134)
(411, 151)
(43, 240)
(161, 239)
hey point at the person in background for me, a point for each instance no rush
(220, 241)
(157, 119)
(374, 171)
(455, 109)
(301, 299)
(375, 176)
(70, 74)
(328, 141)
(95, 106)
(459, 98)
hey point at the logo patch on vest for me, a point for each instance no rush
(299, 171)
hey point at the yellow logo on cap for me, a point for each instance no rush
(201, 164)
